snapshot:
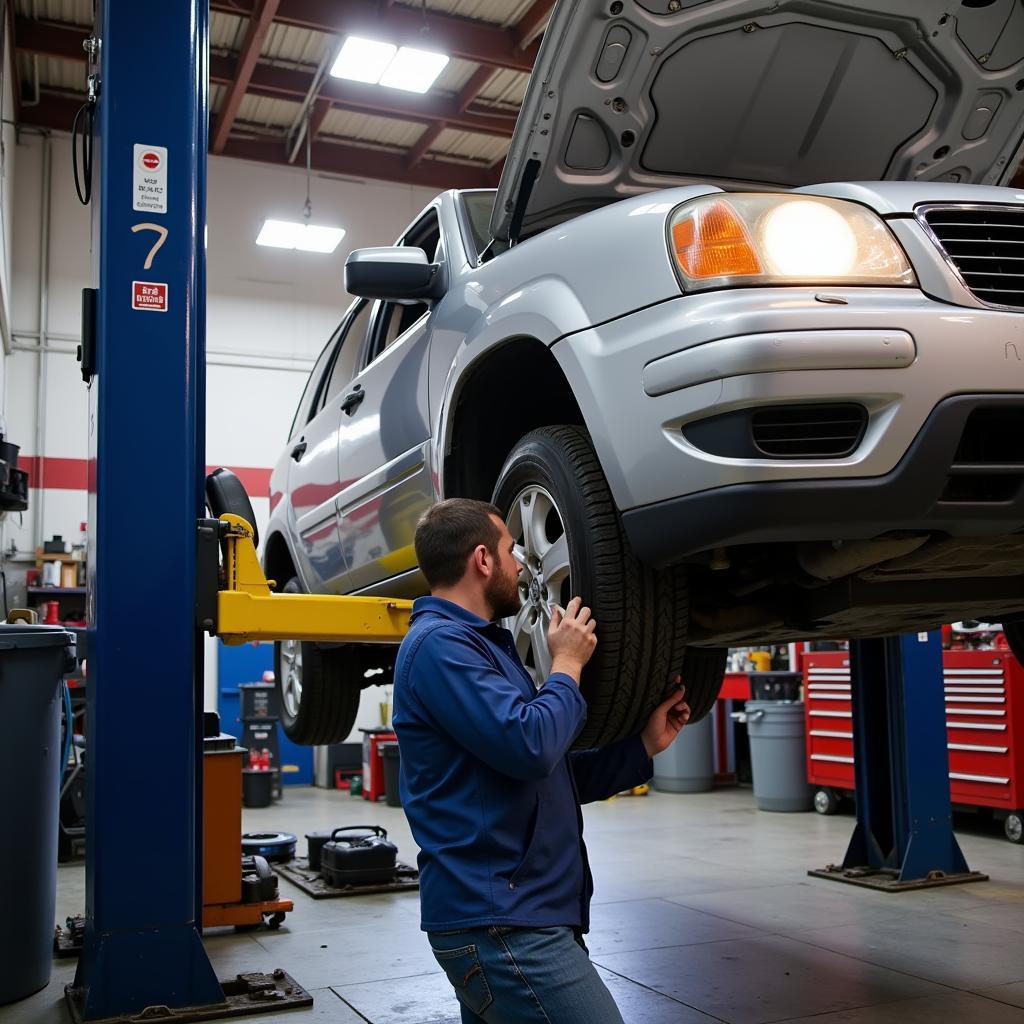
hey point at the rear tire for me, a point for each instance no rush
(318, 690)
(553, 483)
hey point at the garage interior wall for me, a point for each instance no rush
(269, 313)
(7, 156)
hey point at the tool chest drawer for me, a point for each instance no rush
(983, 693)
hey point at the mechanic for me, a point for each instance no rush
(489, 786)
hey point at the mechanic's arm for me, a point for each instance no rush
(487, 713)
(602, 773)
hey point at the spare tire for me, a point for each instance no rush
(559, 509)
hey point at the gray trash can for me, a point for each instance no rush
(687, 766)
(392, 771)
(778, 757)
(32, 661)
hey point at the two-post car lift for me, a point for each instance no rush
(144, 351)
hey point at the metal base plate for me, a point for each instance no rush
(244, 994)
(297, 871)
(887, 879)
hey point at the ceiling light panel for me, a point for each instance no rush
(286, 234)
(363, 60)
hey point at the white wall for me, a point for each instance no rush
(8, 82)
(269, 312)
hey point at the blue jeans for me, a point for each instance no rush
(521, 975)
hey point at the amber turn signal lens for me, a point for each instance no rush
(713, 242)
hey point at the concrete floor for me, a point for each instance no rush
(703, 912)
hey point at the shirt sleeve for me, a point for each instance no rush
(602, 773)
(486, 712)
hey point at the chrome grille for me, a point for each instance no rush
(985, 245)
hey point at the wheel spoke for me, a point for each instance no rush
(536, 529)
(555, 564)
(526, 522)
(541, 657)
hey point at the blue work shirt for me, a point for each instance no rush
(487, 783)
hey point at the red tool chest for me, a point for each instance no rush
(984, 694)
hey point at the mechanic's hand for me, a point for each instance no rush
(667, 720)
(571, 638)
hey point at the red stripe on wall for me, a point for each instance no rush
(60, 474)
(73, 474)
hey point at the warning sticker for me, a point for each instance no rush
(149, 179)
(149, 295)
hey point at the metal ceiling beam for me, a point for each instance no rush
(58, 112)
(532, 22)
(65, 42)
(458, 37)
(356, 162)
(248, 55)
(321, 108)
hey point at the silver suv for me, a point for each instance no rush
(724, 408)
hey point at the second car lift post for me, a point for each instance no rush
(904, 833)
(142, 946)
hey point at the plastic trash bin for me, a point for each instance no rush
(688, 765)
(392, 767)
(778, 758)
(33, 660)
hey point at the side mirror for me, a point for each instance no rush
(395, 273)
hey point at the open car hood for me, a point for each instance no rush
(628, 96)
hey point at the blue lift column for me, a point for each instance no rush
(904, 834)
(142, 945)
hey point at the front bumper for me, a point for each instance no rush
(636, 411)
(914, 496)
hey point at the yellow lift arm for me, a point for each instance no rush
(235, 600)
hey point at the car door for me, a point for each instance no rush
(313, 479)
(384, 442)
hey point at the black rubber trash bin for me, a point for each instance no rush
(33, 660)
(392, 765)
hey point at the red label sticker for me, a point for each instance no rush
(147, 295)
(151, 160)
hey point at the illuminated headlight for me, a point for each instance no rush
(723, 240)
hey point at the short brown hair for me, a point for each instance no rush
(449, 532)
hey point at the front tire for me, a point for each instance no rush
(559, 510)
(318, 694)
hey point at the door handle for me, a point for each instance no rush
(353, 399)
(299, 450)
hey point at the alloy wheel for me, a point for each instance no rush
(542, 548)
(291, 684)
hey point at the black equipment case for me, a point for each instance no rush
(365, 857)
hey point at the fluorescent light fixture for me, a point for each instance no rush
(365, 60)
(287, 234)
(413, 70)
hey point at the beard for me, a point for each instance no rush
(502, 594)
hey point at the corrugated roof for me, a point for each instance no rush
(74, 12)
(470, 146)
(270, 113)
(303, 49)
(384, 131)
(60, 75)
(499, 12)
(226, 31)
(505, 87)
(298, 45)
